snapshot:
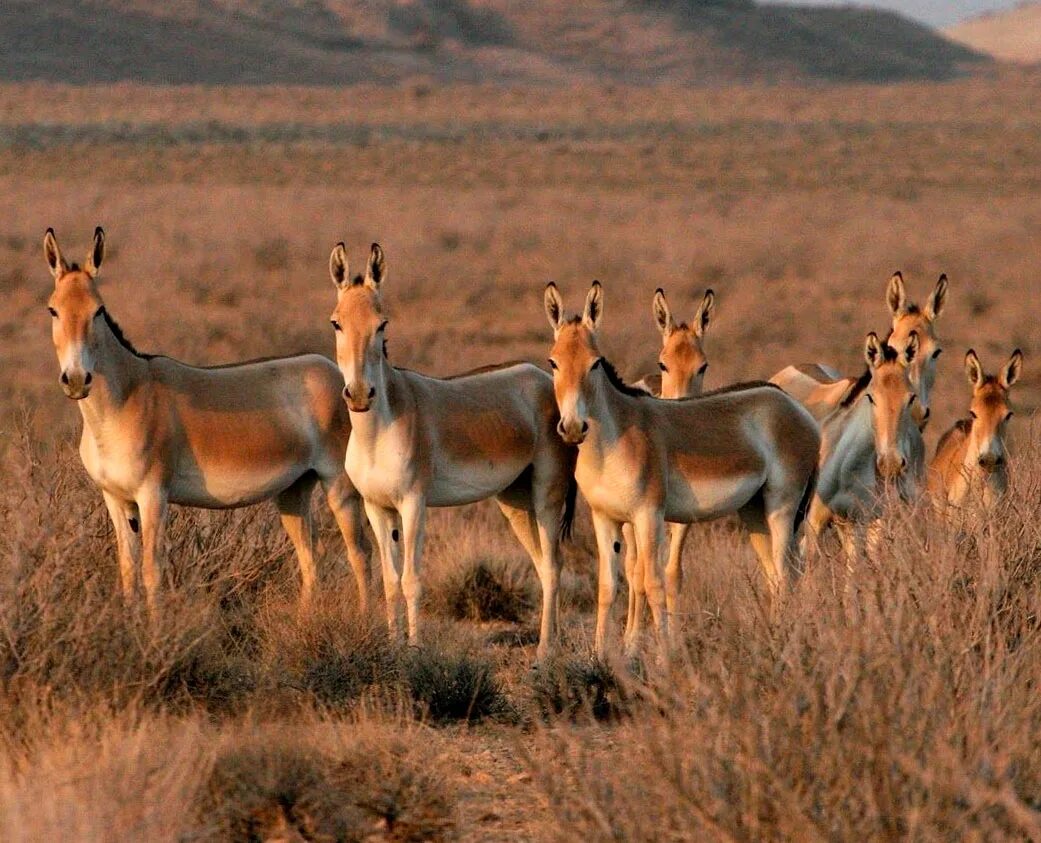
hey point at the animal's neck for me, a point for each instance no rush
(610, 409)
(118, 373)
(387, 404)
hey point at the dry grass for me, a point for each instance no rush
(901, 704)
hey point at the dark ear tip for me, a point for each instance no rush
(596, 284)
(341, 245)
(943, 276)
(551, 285)
(99, 231)
(49, 231)
(659, 292)
(710, 292)
(1017, 353)
(898, 274)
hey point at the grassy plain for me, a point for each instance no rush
(901, 703)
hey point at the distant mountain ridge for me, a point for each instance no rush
(1011, 35)
(348, 41)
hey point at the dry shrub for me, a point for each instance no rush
(578, 688)
(370, 779)
(449, 682)
(486, 591)
(896, 701)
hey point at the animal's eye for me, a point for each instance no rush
(336, 325)
(702, 368)
(910, 400)
(662, 366)
(552, 364)
(596, 363)
(937, 353)
(1009, 415)
(869, 397)
(973, 414)
(383, 325)
(52, 312)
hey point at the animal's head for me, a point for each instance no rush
(682, 360)
(892, 398)
(76, 311)
(574, 358)
(990, 410)
(911, 318)
(359, 325)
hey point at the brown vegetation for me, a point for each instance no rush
(900, 702)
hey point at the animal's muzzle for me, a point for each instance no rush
(573, 433)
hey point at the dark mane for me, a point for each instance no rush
(858, 389)
(117, 332)
(960, 427)
(479, 370)
(739, 387)
(616, 381)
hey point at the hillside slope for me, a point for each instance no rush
(1014, 35)
(344, 41)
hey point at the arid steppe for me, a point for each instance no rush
(895, 701)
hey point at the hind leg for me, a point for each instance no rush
(294, 507)
(674, 573)
(754, 520)
(346, 506)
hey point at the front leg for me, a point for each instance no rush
(634, 582)
(608, 545)
(649, 527)
(385, 526)
(151, 505)
(413, 512)
(674, 572)
(126, 542)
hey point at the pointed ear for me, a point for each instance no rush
(594, 309)
(704, 314)
(339, 269)
(973, 368)
(1010, 374)
(662, 314)
(872, 350)
(52, 254)
(376, 271)
(896, 295)
(911, 351)
(554, 307)
(934, 306)
(97, 253)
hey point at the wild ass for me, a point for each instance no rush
(420, 441)
(682, 363)
(644, 461)
(821, 389)
(972, 459)
(871, 440)
(159, 432)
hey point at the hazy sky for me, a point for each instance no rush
(934, 12)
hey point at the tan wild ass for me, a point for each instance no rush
(682, 364)
(644, 461)
(869, 441)
(972, 459)
(419, 441)
(821, 389)
(159, 432)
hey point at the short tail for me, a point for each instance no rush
(807, 499)
(567, 520)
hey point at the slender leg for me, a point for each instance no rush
(152, 506)
(294, 507)
(674, 573)
(650, 540)
(754, 521)
(126, 543)
(413, 514)
(538, 536)
(388, 539)
(346, 506)
(608, 545)
(631, 575)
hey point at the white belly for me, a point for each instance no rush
(700, 500)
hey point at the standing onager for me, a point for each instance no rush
(159, 432)
(419, 441)
(971, 458)
(683, 363)
(821, 389)
(871, 440)
(643, 461)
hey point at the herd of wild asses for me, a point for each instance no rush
(806, 450)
